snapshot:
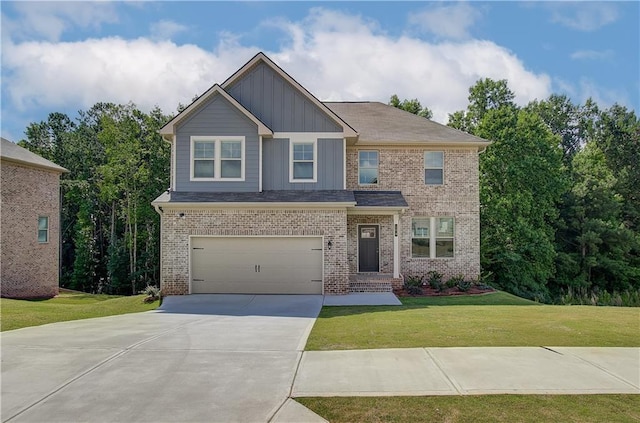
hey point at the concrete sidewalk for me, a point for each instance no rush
(464, 371)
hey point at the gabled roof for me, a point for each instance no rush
(347, 129)
(169, 127)
(14, 153)
(378, 123)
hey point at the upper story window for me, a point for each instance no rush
(303, 165)
(43, 229)
(217, 158)
(432, 237)
(434, 167)
(367, 167)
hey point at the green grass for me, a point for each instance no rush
(486, 408)
(67, 306)
(496, 319)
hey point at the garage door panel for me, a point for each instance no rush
(256, 265)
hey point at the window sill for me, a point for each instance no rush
(217, 180)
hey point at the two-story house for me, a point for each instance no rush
(274, 191)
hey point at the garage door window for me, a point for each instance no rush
(217, 158)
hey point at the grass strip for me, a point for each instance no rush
(493, 320)
(16, 314)
(481, 408)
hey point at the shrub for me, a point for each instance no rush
(455, 281)
(152, 293)
(464, 285)
(413, 285)
(414, 281)
(434, 279)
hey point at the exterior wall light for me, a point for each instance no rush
(329, 244)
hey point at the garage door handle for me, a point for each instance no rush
(255, 268)
(258, 268)
(198, 248)
(198, 280)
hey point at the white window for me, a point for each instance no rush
(367, 167)
(303, 166)
(217, 158)
(43, 229)
(432, 237)
(434, 167)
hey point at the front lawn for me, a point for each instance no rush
(489, 320)
(67, 306)
(480, 408)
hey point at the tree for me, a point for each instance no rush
(411, 106)
(521, 183)
(118, 164)
(484, 96)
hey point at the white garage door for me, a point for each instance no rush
(256, 265)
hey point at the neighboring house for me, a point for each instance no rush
(30, 209)
(274, 191)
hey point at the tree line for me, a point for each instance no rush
(118, 163)
(559, 193)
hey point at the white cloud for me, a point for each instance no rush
(583, 16)
(334, 55)
(604, 97)
(592, 54)
(166, 30)
(51, 19)
(447, 21)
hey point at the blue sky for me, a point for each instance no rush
(65, 57)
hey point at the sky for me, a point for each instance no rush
(67, 56)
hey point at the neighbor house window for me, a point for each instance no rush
(432, 237)
(303, 162)
(217, 158)
(43, 229)
(434, 167)
(367, 167)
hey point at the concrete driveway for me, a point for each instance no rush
(201, 358)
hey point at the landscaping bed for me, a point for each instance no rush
(427, 291)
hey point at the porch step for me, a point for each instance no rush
(370, 286)
(373, 282)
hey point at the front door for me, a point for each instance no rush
(368, 248)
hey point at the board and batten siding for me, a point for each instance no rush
(218, 117)
(275, 166)
(278, 104)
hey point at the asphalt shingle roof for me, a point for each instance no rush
(380, 199)
(290, 196)
(13, 152)
(380, 123)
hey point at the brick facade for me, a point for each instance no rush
(329, 223)
(29, 269)
(402, 168)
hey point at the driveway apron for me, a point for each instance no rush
(200, 358)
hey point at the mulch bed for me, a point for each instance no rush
(430, 292)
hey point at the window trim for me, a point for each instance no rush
(217, 157)
(424, 160)
(314, 142)
(433, 237)
(46, 230)
(377, 168)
